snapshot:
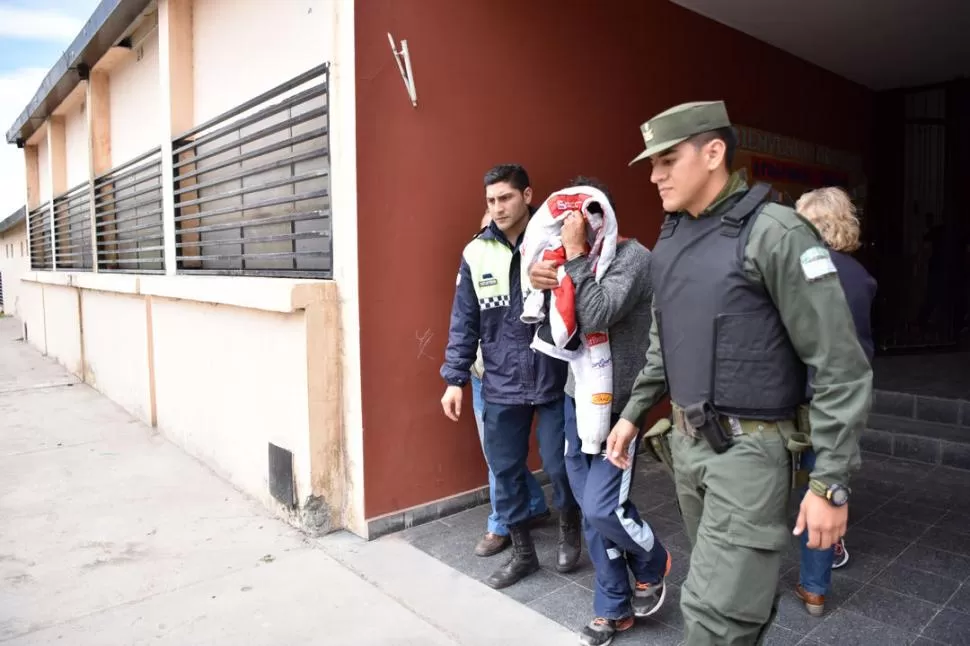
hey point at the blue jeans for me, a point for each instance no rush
(816, 566)
(617, 537)
(537, 498)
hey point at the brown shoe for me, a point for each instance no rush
(491, 544)
(814, 603)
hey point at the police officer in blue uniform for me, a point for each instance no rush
(518, 383)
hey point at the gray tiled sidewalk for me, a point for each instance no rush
(907, 582)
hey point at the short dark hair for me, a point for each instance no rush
(582, 180)
(514, 174)
(724, 134)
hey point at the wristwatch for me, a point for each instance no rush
(836, 494)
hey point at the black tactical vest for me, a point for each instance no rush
(722, 337)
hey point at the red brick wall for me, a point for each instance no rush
(560, 87)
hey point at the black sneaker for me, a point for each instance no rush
(649, 597)
(600, 631)
(841, 554)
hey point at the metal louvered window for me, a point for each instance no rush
(251, 192)
(252, 186)
(72, 229)
(39, 226)
(128, 216)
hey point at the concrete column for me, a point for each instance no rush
(31, 165)
(343, 182)
(57, 160)
(177, 96)
(99, 140)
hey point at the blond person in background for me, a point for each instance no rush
(831, 211)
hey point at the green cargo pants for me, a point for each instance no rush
(734, 508)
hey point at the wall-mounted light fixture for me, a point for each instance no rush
(403, 58)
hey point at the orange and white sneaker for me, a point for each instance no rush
(649, 597)
(600, 631)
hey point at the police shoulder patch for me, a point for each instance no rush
(817, 263)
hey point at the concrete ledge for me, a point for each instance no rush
(919, 448)
(251, 292)
(940, 410)
(118, 283)
(47, 278)
(400, 520)
(909, 426)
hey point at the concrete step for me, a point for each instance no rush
(932, 430)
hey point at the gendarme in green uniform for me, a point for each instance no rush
(744, 350)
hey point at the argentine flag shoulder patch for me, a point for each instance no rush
(817, 263)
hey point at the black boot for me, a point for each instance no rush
(523, 562)
(570, 544)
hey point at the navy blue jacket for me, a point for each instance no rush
(860, 291)
(486, 308)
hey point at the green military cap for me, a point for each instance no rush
(679, 124)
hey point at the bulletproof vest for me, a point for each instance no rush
(722, 337)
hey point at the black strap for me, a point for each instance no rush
(734, 219)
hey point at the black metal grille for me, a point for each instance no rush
(72, 229)
(39, 225)
(128, 207)
(252, 186)
(922, 312)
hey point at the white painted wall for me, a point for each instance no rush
(228, 381)
(63, 328)
(343, 178)
(76, 136)
(14, 263)
(258, 45)
(135, 110)
(116, 349)
(231, 38)
(31, 308)
(44, 171)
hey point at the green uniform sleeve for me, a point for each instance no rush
(650, 385)
(799, 275)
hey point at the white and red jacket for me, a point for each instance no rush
(558, 335)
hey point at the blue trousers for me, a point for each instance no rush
(816, 565)
(616, 537)
(507, 430)
(537, 498)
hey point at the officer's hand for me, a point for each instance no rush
(451, 402)
(543, 275)
(824, 522)
(618, 443)
(573, 233)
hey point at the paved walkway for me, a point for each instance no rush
(907, 581)
(110, 535)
